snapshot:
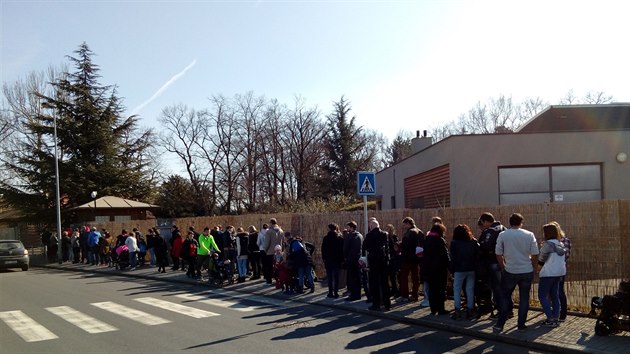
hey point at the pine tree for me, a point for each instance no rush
(399, 149)
(343, 144)
(98, 149)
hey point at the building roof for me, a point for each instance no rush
(614, 116)
(116, 202)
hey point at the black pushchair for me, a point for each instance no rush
(120, 257)
(220, 270)
(614, 315)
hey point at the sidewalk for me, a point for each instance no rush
(575, 335)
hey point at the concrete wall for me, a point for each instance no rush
(474, 162)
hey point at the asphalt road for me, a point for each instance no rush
(43, 311)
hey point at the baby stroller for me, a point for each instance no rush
(220, 270)
(120, 257)
(614, 315)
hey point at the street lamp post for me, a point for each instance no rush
(93, 195)
(57, 194)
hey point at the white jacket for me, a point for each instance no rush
(552, 253)
(132, 244)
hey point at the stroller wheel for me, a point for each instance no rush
(602, 328)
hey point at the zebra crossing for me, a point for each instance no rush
(31, 331)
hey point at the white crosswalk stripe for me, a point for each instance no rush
(130, 313)
(31, 331)
(181, 309)
(219, 303)
(263, 300)
(26, 327)
(81, 320)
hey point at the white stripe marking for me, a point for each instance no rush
(219, 303)
(181, 309)
(263, 300)
(26, 327)
(81, 320)
(132, 314)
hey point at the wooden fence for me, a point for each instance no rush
(599, 231)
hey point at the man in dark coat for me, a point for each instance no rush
(377, 247)
(410, 262)
(332, 255)
(352, 243)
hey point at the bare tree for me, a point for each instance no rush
(569, 98)
(228, 142)
(249, 111)
(597, 97)
(497, 115)
(23, 108)
(304, 134)
(373, 153)
(184, 135)
(274, 157)
(530, 107)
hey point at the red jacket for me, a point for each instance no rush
(177, 246)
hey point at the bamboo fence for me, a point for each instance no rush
(599, 231)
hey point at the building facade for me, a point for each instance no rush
(549, 159)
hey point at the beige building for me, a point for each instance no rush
(564, 154)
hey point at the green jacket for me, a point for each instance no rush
(206, 243)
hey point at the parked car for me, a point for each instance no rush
(13, 254)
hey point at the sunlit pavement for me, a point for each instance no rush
(575, 335)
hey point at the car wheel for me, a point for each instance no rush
(25, 267)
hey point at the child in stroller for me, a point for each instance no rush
(220, 270)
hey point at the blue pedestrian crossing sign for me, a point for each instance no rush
(366, 183)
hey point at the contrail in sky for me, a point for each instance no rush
(164, 87)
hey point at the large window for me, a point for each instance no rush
(551, 183)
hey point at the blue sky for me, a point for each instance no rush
(403, 64)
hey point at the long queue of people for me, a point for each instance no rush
(87, 245)
(380, 265)
(486, 271)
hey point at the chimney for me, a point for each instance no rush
(420, 142)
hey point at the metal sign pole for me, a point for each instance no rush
(365, 215)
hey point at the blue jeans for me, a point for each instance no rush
(152, 254)
(93, 255)
(425, 292)
(305, 272)
(458, 282)
(242, 267)
(549, 296)
(509, 282)
(494, 281)
(132, 259)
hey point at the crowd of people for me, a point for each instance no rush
(87, 245)
(380, 265)
(484, 271)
